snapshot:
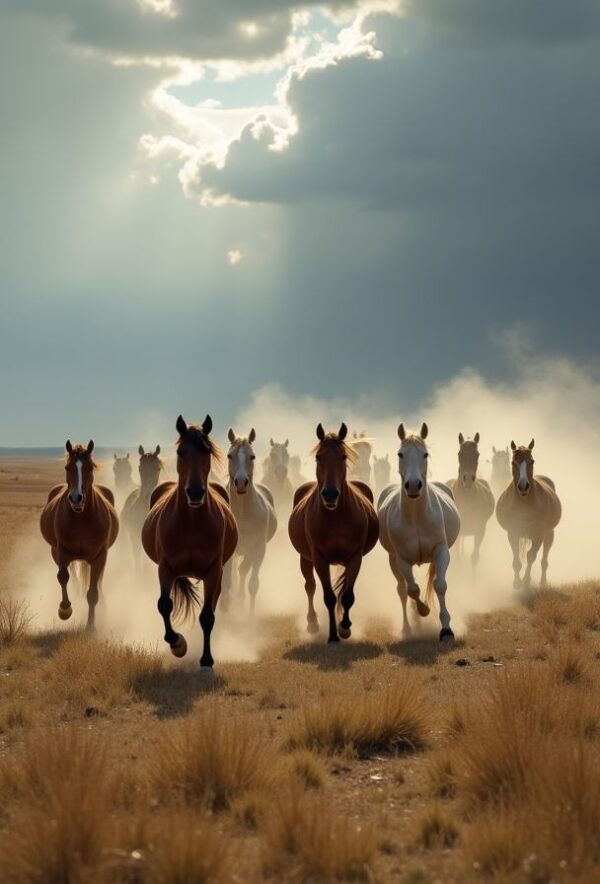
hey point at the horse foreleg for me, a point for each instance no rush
(513, 539)
(244, 570)
(257, 561)
(412, 587)
(402, 592)
(347, 595)
(176, 642)
(548, 541)
(477, 541)
(441, 560)
(532, 552)
(212, 591)
(63, 560)
(96, 572)
(310, 585)
(322, 569)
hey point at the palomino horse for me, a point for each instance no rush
(190, 531)
(418, 523)
(333, 523)
(361, 468)
(382, 471)
(275, 474)
(472, 496)
(137, 505)
(80, 524)
(501, 474)
(122, 473)
(529, 509)
(252, 506)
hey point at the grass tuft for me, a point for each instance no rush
(15, 620)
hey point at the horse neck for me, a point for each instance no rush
(243, 503)
(147, 487)
(414, 509)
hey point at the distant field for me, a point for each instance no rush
(378, 760)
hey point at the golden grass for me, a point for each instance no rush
(308, 767)
(435, 828)
(209, 760)
(392, 720)
(305, 840)
(15, 620)
(441, 772)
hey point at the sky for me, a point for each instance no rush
(200, 199)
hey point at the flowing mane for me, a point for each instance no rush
(332, 438)
(202, 442)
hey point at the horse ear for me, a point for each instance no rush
(343, 432)
(157, 450)
(286, 443)
(401, 432)
(271, 443)
(424, 431)
(251, 435)
(320, 432)
(69, 447)
(126, 456)
(90, 447)
(231, 434)
(181, 426)
(494, 449)
(512, 445)
(114, 455)
(207, 425)
(141, 451)
(531, 444)
(476, 438)
(387, 457)
(461, 438)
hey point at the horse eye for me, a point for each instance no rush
(344, 457)
(400, 454)
(425, 454)
(230, 456)
(252, 457)
(318, 457)
(180, 452)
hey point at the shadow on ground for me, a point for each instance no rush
(336, 656)
(174, 692)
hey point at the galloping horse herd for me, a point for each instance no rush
(198, 527)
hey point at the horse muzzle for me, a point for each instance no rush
(413, 489)
(77, 502)
(523, 488)
(196, 495)
(330, 495)
(241, 485)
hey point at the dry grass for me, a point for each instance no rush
(441, 771)
(209, 760)
(309, 768)
(436, 829)
(306, 841)
(393, 720)
(15, 620)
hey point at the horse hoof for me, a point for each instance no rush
(312, 626)
(446, 635)
(64, 612)
(422, 608)
(333, 640)
(179, 647)
(343, 632)
(206, 670)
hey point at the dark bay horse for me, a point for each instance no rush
(333, 523)
(190, 531)
(136, 507)
(80, 524)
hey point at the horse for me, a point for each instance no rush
(333, 523)
(190, 531)
(122, 473)
(501, 474)
(418, 523)
(295, 471)
(80, 523)
(361, 468)
(529, 509)
(253, 508)
(137, 505)
(382, 470)
(472, 496)
(275, 474)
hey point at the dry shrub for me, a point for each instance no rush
(15, 714)
(393, 720)
(209, 760)
(497, 844)
(59, 827)
(309, 768)
(441, 772)
(14, 621)
(572, 663)
(85, 672)
(435, 828)
(306, 841)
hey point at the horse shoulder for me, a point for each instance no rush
(220, 490)
(364, 488)
(444, 487)
(385, 494)
(303, 491)
(266, 492)
(106, 493)
(546, 480)
(54, 492)
(160, 490)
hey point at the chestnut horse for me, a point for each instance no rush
(333, 523)
(529, 509)
(190, 531)
(80, 524)
(136, 507)
(472, 496)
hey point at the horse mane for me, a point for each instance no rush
(415, 439)
(81, 451)
(147, 455)
(198, 438)
(330, 438)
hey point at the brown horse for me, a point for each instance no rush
(333, 523)
(190, 531)
(80, 524)
(136, 507)
(472, 495)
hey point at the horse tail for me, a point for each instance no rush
(430, 578)
(80, 572)
(185, 598)
(340, 583)
(522, 546)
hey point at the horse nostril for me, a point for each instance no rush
(406, 486)
(419, 485)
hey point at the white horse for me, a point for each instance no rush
(529, 509)
(275, 474)
(500, 470)
(418, 523)
(382, 472)
(252, 506)
(473, 496)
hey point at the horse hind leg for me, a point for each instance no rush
(310, 585)
(412, 586)
(548, 541)
(441, 560)
(64, 609)
(96, 572)
(402, 591)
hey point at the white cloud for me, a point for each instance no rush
(234, 256)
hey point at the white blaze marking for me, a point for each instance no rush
(523, 472)
(79, 466)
